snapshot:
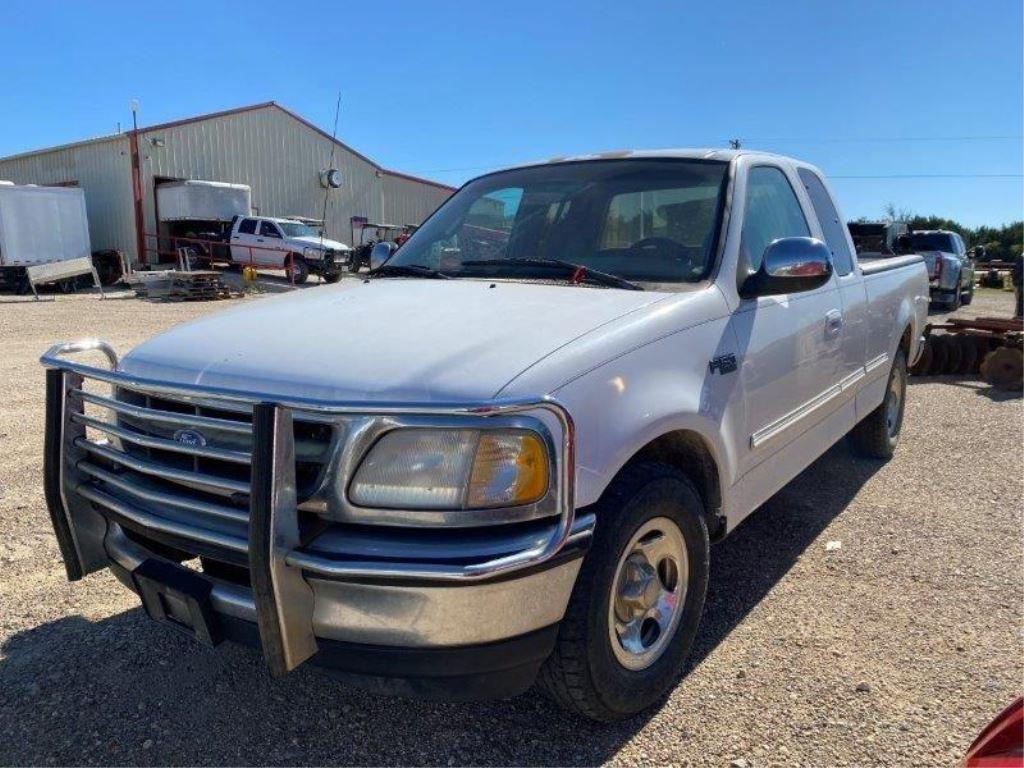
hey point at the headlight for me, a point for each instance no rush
(452, 469)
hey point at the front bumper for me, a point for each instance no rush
(386, 618)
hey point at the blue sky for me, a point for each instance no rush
(451, 89)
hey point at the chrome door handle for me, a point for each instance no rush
(833, 322)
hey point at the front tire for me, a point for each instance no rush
(878, 433)
(638, 600)
(299, 270)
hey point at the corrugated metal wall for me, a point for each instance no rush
(281, 158)
(276, 154)
(102, 169)
(409, 202)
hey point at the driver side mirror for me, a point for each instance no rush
(790, 265)
(380, 253)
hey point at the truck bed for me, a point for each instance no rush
(870, 265)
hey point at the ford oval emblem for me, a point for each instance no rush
(190, 437)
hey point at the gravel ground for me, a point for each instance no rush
(894, 649)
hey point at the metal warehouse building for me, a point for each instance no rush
(277, 153)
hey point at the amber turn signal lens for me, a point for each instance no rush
(509, 469)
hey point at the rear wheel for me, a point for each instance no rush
(638, 599)
(878, 434)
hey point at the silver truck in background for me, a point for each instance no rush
(950, 265)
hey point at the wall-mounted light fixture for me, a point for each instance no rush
(156, 141)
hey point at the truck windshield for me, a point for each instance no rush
(297, 229)
(931, 241)
(653, 221)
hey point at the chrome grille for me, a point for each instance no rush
(133, 455)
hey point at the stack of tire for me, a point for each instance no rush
(966, 355)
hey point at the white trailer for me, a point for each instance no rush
(197, 200)
(195, 212)
(44, 236)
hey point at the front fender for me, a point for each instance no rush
(664, 386)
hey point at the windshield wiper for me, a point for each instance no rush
(574, 273)
(408, 270)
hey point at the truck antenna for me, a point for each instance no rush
(330, 164)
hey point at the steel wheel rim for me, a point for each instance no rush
(893, 401)
(648, 593)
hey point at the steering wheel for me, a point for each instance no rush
(657, 243)
(664, 248)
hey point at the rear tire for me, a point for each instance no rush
(586, 673)
(878, 434)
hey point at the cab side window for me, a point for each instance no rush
(247, 227)
(772, 212)
(269, 229)
(833, 229)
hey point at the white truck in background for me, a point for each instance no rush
(44, 238)
(213, 221)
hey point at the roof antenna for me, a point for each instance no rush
(330, 164)
(734, 144)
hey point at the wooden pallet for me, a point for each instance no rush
(174, 285)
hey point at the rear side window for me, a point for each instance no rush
(247, 227)
(831, 226)
(772, 212)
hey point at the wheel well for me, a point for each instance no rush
(905, 339)
(688, 452)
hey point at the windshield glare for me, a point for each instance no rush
(650, 221)
(296, 229)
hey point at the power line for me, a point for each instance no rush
(873, 139)
(930, 176)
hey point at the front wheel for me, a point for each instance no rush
(878, 433)
(299, 270)
(638, 598)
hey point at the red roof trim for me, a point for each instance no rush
(208, 116)
(305, 122)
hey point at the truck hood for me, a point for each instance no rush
(315, 242)
(395, 339)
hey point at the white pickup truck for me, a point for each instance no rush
(263, 241)
(567, 383)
